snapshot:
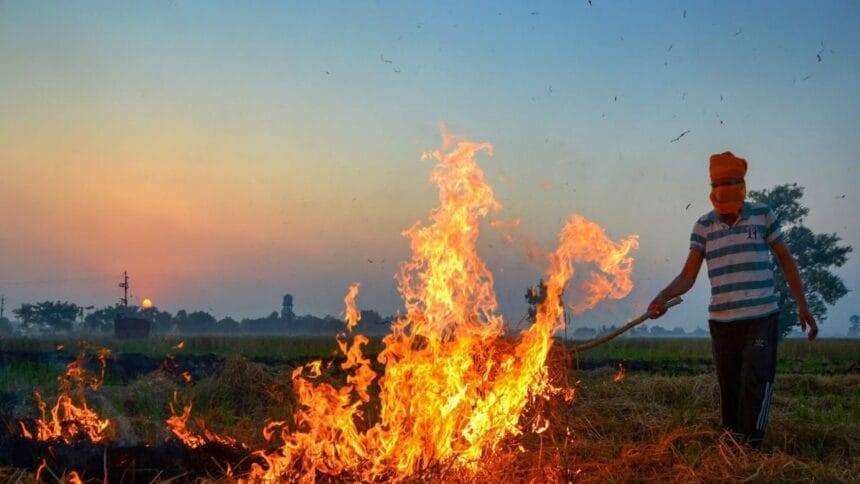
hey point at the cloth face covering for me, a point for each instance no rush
(729, 199)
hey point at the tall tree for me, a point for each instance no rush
(854, 328)
(817, 256)
(59, 315)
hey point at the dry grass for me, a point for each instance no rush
(652, 426)
(664, 429)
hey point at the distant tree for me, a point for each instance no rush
(679, 332)
(606, 329)
(228, 325)
(816, 254)
(58, 315)
(162, 321)
(6, 328)
(854, 329)
(584, 333)
(271, 324)
(659, 331)
(535, 296)
(198, 322)
(101, 320)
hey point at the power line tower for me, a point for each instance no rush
(124, 285)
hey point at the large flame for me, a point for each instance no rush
(70, 418)
(453, 385)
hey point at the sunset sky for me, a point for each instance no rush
(227, 153)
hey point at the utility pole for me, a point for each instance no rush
(124, 285)
(2, 306)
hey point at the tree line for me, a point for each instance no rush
(64, 316)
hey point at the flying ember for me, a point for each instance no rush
(454, 383)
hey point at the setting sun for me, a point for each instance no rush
(147, 303)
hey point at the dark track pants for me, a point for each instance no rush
(745, 357)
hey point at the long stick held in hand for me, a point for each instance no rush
(612, 335)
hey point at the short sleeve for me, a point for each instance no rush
(698, 238)
(773, 229)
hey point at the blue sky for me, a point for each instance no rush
(225, 153)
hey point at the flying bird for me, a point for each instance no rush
(688, 206)
(383, 59)
(680, 136)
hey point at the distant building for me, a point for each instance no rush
(128, 328)
(287, 313)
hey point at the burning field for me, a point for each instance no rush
(448, 394)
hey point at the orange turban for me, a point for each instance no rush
(727, 165)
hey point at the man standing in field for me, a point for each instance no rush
(736, 239)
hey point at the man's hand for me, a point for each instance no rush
(808, 324)
(658, 307)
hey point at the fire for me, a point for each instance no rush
(70, 418)
(352, 314)
(73, 478)
(179, 345)
(619, 375)
(178, 424)
(592, 245)
(147, 303)
(454, 384)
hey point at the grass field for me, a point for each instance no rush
(659, 423)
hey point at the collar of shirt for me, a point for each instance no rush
(745, 214)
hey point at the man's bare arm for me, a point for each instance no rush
(792, 277)
(680, 285)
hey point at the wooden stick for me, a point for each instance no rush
(614, 334)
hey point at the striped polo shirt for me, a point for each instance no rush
(739, 262)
